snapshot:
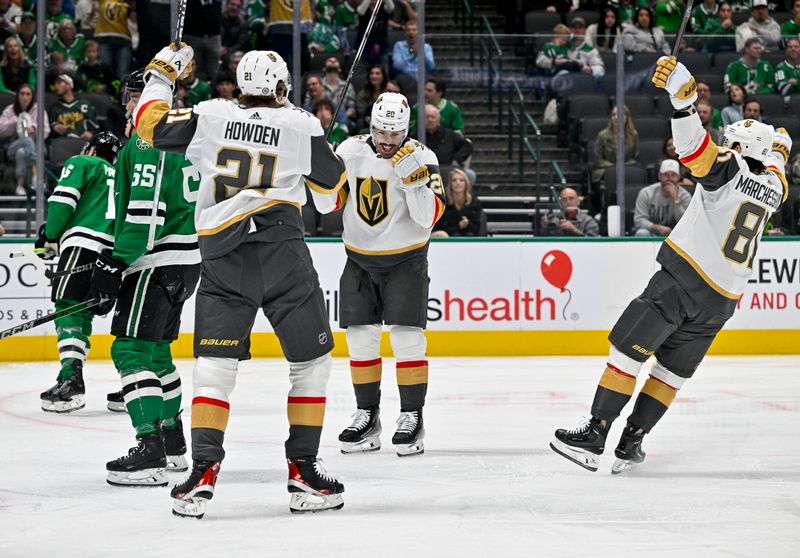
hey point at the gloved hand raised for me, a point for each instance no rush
(781, 143)
(170, 63)
(677, 80)
(410, 166)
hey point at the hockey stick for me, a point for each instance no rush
(176, 44)
(686, 15)
(54, 316)
(355, 63)
(38, 263)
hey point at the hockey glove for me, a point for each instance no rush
(677, 80)
(171, 64)
(44, 247)
(781, 143)
(410, 166)
(106, 281)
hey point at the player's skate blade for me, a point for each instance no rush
(193, 507)
(585, 459)
(143, 477)
(190, 497)
(75, 403)
(407, 440)
(363, 435)
(115, 402)
(177, 464)
(366, 445)
(621, 465)
(415, 448)
(313, 489)
(307, 502)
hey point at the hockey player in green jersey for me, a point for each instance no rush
(80, 222)
(150, 288)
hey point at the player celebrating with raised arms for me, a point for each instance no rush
(391, 201)
(255, 160)
(705, 264)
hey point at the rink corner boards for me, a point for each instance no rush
(442, 344)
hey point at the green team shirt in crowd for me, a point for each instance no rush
(628, 13)
(716, 118)
(783, 73)
(450, 115)
(81, 210)
(790, 28)
(78, 116)
(76, 52)
(29, 50)
(345, 16)
(700, 20)
(134, 191)
(198, 92)
(668, 14)
(762, 77)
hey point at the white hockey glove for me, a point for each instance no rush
(409, 166)
(781, 143)
(677, 80)
(171, 64)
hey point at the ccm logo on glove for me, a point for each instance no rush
(103, 266)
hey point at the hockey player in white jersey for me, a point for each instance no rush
(391, 201)
(705, 264)
(255, 160)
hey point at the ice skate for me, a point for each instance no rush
(191, 495)
(364, 434)
(629, 450)
(584, 444)
(115, 402)
(410, 432)
(313, 489)
(175, 446)
(66, 396)
(143, 466)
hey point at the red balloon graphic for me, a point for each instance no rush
(557, 268)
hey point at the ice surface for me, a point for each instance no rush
(720, 480)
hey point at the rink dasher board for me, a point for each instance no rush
(487, 297)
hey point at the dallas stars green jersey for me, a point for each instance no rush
(28, 48)
(75, 52)
(783, 73)
(81, 208)
(790, 28)
(754, 80)
(78, 116)
(135, 186)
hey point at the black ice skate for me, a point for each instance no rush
(191, 495)
(582, 445)
(115, 402)
(312, 488)
(629, 450)
(143, 466)
(67, 395)
(410, 432)
(364, 434)
(175, 446)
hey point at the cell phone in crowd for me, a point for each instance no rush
(571, 213)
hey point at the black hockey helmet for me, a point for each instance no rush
(106, 146)
(132, 83)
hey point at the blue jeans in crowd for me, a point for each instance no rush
(23, 152)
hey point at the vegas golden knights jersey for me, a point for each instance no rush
(711, 250)
(254, 165)
(385, 222)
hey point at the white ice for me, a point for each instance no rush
(721, 477)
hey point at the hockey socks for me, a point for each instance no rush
(73, 337)
(412, 381)
(613, 392)
(306, 405)
(141, 388)
(366, 375)
(652, 402)
(169, 378)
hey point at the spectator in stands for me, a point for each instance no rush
(225, 87)
(403, 13)
(569, 220)
(86, 14)
(374, 86)
(393, 87)
(404, 54)
(449, 112)
(761, 25)
(234, 33)
(54, 15)
(9, 12)
(643, 36)
(323, 109)
(377, 43)
(54, 69)
(582, 52)
(668, 152)
(451, 149)
(233, 61)
(463, 214)
(202, 32)
(723, 30)
(197, 90)
(705, 17)
(603, 34)
(334, 90)
(660, 206)
(96, 76)
(791, 27)
(752, 110)
(70, 116)
(114, 36)
(322, 38)
(553, 59)
(668, 14)
(704, 94)
(787, 74)
(346, 16)
(70, 43)
(750, 71)
(734, 111)
(627, 9)
(14, 68)
(705, 112)
(18, 124)
(27, 36)
(605, 147)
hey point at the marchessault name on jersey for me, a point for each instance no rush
(759, 191)
(252, 133)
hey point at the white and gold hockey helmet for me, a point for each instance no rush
(391, 113)
(754, 137)
(259, 73)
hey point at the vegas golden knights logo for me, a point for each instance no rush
(372, 200)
